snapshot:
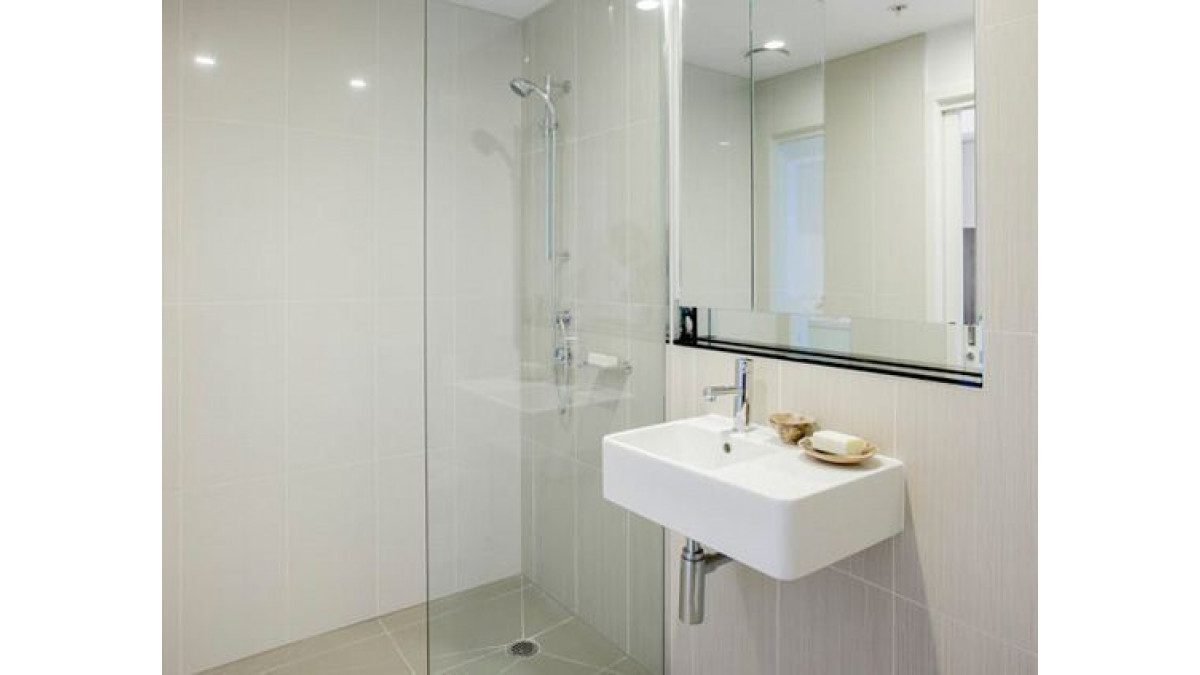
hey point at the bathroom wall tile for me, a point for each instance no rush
(718, 369)
(332, 548)
(929, 643)
(171, 13)
(646, 593)
(550, 48)
(402, 70)
(247, 40)
(855, 403)
(441, 521)
(170, 211)
(171, 582)
(681, 382)
(835, 624)
(603, 75)
(233, 566)
(233, 392)
(440, 332)
(646, 382)
(874, 564)
(331, 377)
(487, 164)
(1007, 490)
(995, 12)
(232, 227)
(400, 242)
(170, 401)
(400, 483)
(488, 493)
(599, 251)
(740, 626)
(554, 525)
(486, 345)
(647, 235)
(330, 44)
(937, 556)
(331, 217)
(644, 51)
(1008, 174)
(399, 377)
(603, 574)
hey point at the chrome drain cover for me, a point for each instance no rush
(523, 648)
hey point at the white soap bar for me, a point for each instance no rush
(837, 443)
(602, 360)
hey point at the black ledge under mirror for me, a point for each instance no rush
(826, 183)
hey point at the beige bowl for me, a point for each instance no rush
(792, 427)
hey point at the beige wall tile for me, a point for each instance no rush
(995, 12)
(602, 86)
(247, 41)
(329, 44)
(233, 391)
(234, 595)
(232, 222)
(1008, 174)
(740, 626)
(331, 379)
(400, 483)
(332, 548)
(170, 210)
(929, 643)
(331, 217)
(831, 623)
(603, 572)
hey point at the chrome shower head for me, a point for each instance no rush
(523, 87)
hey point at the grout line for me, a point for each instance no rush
(179, 341)
(287, 377)
(375, 337)
(396, 645)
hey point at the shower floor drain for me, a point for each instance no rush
(523, 648)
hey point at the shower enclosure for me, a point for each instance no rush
(401, 307)
(546, 317)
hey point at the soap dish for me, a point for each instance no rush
(837, 459)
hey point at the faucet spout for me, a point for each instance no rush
(740, 390)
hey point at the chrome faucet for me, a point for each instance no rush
(740, 390)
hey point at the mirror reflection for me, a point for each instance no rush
(828, 175)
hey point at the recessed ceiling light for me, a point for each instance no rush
(648, 5)
(204, 60)
(774, 45)
(358, 83)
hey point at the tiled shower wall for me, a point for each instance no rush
(596, 559)
(293, 464)
(957, 591)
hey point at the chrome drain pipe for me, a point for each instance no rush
(694, 566)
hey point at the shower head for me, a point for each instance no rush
(523, 87)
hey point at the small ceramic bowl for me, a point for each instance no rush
(792, 427)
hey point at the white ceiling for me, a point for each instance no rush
(516, 9)
(716, 32)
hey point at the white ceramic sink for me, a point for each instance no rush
(758, 501)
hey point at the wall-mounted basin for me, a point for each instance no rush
(749, 496)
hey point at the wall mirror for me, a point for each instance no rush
(827, 173)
